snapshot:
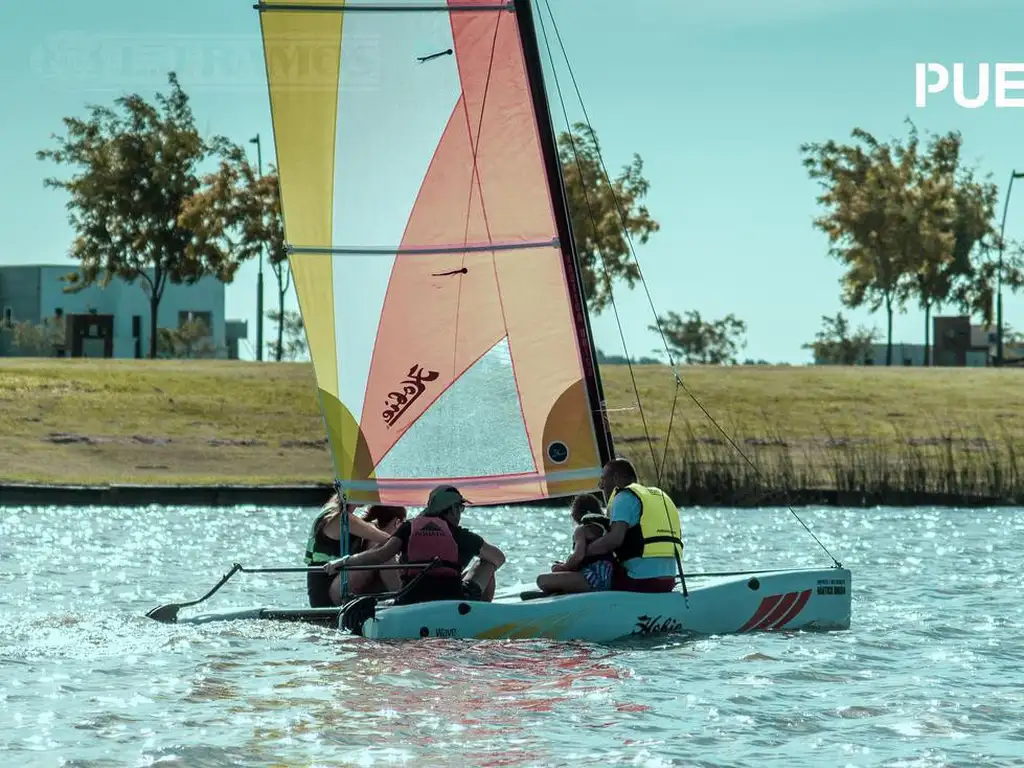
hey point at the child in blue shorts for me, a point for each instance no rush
(580, 573)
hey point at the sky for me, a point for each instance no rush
(715, 96)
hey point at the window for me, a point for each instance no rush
(206, 318)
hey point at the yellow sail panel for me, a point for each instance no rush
(303, 57)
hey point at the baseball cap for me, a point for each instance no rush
(442, 498)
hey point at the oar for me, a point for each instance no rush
(169, 613)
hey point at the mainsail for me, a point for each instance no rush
(431, 250)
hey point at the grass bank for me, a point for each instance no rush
(957, 432)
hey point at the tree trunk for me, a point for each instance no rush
(888, 335)
(927, 334)
(154, 306)
(280, 322)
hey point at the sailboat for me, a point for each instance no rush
(437, 276)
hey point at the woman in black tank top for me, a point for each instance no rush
(322, 590)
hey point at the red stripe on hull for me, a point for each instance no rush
(793, 612)
(767, 604)
(780, 610)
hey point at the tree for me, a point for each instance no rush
(137, 166)
(976, 289)
(292, 335)
(238, 202)
(952, 267)
(38, 339)
(869, 197)
(605, 216)
(191, 340)
(697, 341)
(838, 344)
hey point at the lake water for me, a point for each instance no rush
(929, 674)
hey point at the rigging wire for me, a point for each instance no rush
(606, 273)
(680, 384)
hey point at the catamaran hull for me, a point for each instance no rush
(810, 599)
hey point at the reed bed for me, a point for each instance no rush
(955, 465)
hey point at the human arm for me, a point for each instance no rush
(356, 526)
(491, 554)
(375, 556)
(624, 512)
(579, 551)
(610, 541)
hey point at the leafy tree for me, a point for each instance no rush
(604, 359)
(136, 168)
(291, 335)
(191, 340)
(869, 197)
(240, 211)
(38, 339)
(975, 290)
(603, 214)
(837, 343)
(930, 240)
(697, 341)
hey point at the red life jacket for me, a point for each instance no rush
(431, 537)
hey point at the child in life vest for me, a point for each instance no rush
(580, 573)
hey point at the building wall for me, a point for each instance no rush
(19, 295)
(124, 300)
(39, 293)
(902, 354)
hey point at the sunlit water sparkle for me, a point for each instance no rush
(928, 675)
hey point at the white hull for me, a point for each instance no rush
(806, 599)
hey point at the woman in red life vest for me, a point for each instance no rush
(437, 533)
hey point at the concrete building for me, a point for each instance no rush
(113, 321)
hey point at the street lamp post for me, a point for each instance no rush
(999, 276)
(259, 276)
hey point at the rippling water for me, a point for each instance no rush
(928, 675)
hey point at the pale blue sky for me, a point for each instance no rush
(716, 96)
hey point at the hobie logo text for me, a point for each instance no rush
(1007, 83)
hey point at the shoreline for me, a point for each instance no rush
(314, 495)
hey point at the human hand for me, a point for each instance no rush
(558, 567)
(334, 566)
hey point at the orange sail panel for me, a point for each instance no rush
(456, 357)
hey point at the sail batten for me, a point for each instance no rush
(454, 354)
(454, 7)
(415, 251)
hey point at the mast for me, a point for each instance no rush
(549, 148)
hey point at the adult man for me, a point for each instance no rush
(437, 534)
(645, 532)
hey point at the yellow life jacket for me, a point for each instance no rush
(660, 531)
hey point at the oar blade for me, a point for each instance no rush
(167, 614)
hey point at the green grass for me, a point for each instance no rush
(949, 430)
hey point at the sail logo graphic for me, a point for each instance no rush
(414, 385)
(1009, 79)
